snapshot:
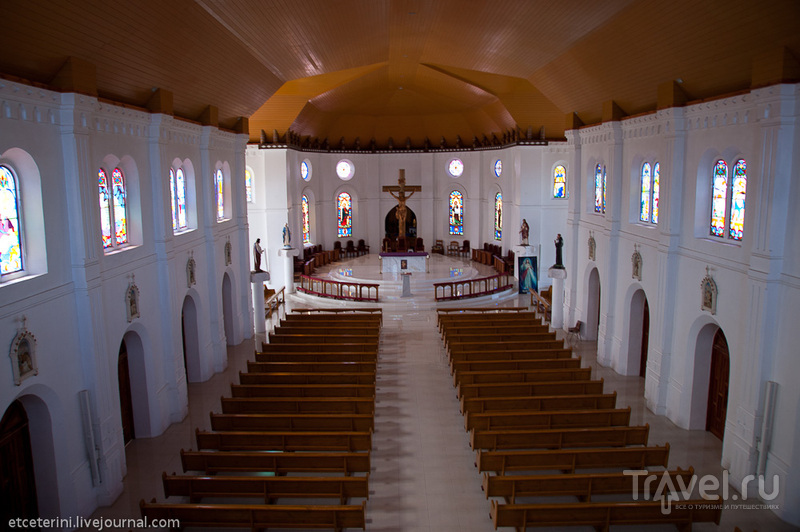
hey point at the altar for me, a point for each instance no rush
(404, 262)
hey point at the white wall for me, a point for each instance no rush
(72, 293)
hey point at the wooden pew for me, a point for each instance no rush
(306, 378)
(602, 515)
(568, 460)
(368, 347)
(287, 422)
(470, 406)
(543, 419)
(473, 355)
(457, 329)
(306, 355)
(583, 486)
(525, 375)
(284, 441)
(487, 318)
(561, 438)
(491, 345)
(512, 365)
(298, 405)
(303, 390)
(315, 339)
(504, 338)
(339, 330)
(531, 388)
(268, 489)
(257, 517)
(213, 462)
(311, 367)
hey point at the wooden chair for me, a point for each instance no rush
(574, 334)
(350, 250)
(419, 246)
(465, 249)
(453, 248)
(438, 247)
(363, 248)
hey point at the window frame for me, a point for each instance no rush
(112, 210)
(455, 229)
(20, 229)
(727, 233)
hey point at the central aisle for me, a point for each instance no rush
(423, 477)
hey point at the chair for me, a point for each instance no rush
(401, 244)
(419, 246)
(438, 247)
(362, 247)
(453, 248)
(574, 334)
(387, 245)
(350, 250)
(465, 248)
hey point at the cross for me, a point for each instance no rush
(401, 198)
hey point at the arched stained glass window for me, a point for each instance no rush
(646, 183)
(738, 192)
(345, 214)
(120, 207)
(605, 188)
(105, 211)
(248, 185)
(10, 230)
(219, 185)
(560, 182)
(598, 189)
(456, 213)
(719, 198)
(498, 216)
(180, 200)
(172, 197)
(656, 185)
(306, 225)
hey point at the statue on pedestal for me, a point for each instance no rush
(559, 242)
(287, 237)
(524, 231)
(257, 252)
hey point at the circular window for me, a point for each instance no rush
(455, 167)
(498, 167)
(344, 169)
(305, 170)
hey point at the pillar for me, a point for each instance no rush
(288, 267)
(557, 305)
(257, 279)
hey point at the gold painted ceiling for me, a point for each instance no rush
(400, 68)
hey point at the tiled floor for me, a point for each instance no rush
(423, 478)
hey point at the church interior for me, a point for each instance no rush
(620, 174)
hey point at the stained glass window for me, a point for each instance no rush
(599, 190)
(455, 167)
(456, 213)
(306, 225)
(498, 167)
(656, 184)
(120, 207)
(248, 185)
(305, 170)
(345, 214)
(560, 182)
(219, 183)
(105, 212)
(646, 183)
(719, 198)
(344, 169)
(10, 231)
(604, 189)
(498, 216)
(738, 192)
(180, 198)
(172, 197)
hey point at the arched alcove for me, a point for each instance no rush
(191, 340)
(137, 379)
(708, 381)
(638, 334)
(227, 309)
(593, 305)
(392, 226)
(17, 479)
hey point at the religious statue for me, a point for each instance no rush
(559, 244)
(524, 231)
(257, 252)
(401, 198)
(287, 236)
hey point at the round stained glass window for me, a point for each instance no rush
(455, 167)
(498, 167)
(305, 170)
(344, 169)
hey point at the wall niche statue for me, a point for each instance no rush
(132, 300)
(592, 246)
(636, 263)
(23, 354)
(709, 293)
(190, 270)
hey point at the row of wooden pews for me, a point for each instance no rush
(291, 446)
(544, 430)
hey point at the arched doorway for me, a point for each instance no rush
(593, 305)
(638, 335)
(392, 226)
(718, 386)
(227, 309)
(191, 341)
(125, 398)
(17, 482)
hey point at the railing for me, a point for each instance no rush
(349, 291)
(472, 287)
(540, 305)
(274, 302)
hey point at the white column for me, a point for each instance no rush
(288, 267)
(257, 279)
(557, 308)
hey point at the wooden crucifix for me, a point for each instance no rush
(401, 198)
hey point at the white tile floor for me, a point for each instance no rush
(423, 478)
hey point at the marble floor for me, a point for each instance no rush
(423, 478)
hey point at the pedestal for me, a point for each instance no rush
(557, 305)
(257, 279)
(406, 285)
(522, 251)
(288, 267)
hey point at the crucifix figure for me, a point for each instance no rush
(401, 198)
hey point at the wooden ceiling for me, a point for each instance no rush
(400, 68)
